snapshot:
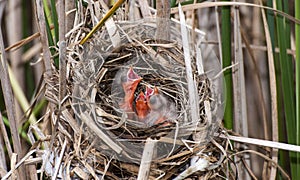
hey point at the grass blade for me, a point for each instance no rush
(272, 78)
(297, 40)
(9, 104)
(287, 83)
(226, 57)
(54, 20)
(283, 155)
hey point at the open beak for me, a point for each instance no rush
(132, 76)
(129, 87)
(148, 93)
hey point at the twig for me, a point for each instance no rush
(25, 41)
(62, 52)
(239, 95)
(43, 34)
(145, 9)
(106, 168)
(59, 160)
(110, 26)
(9, 102)
(3, 134)
(265, 157)
(265, 143)
(102, 21)
(146, 159)
(13, 161)
(273, 89)
(214, 4)
(19, 164)
(163, 20)
(193, 96)
(90, 123)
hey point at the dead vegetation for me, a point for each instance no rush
(85, 134)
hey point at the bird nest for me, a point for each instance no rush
(99, 92)
(105, 130)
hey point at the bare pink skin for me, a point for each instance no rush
(142, 108)
(129, 87)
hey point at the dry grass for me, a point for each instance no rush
(102, 137)
(85, 134)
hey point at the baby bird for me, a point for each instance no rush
(151, 107)
(161, 109)
(149, 92)
(129, 84)
(141, 106)
(141, 103)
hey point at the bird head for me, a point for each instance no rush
(129, 84)
(141, 106)
(149, 92)
(156, 100)
(132, 76)
(161, 109)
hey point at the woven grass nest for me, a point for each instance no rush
(105, 140)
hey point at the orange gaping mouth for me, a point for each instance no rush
(148, 107)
